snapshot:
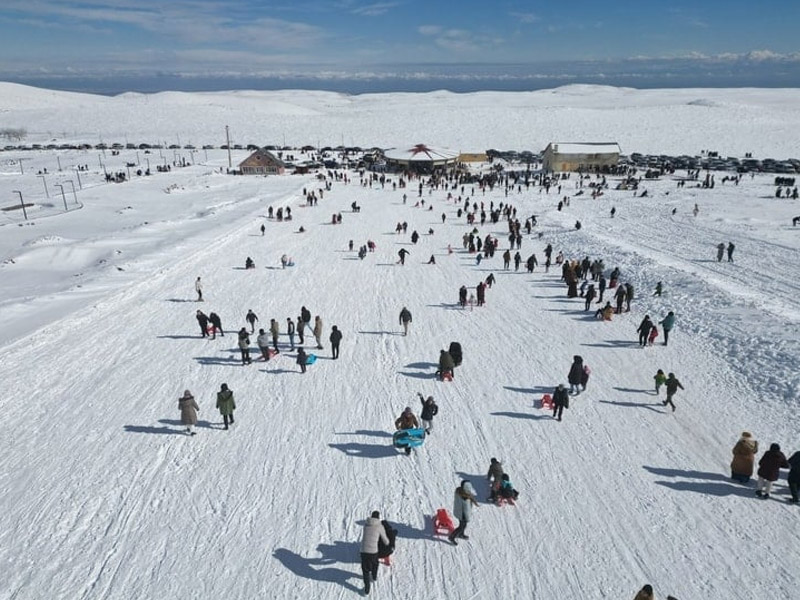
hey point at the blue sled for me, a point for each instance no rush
(408, 438)
(311, 359)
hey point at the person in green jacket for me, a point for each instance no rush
(660, 380)
(226, 404)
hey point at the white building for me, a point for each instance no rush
(580, 156)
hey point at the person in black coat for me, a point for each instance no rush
(644, 330)
(202, 319)
(335, 339)
(217, 323)
(560, 401)
(429, 410)
(794, 477)
(386, 550)
(575, 375)
(455, 352)
(462, 296)
(590, 293)
(302, 357)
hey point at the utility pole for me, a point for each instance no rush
(58, 159)
(78, 173)
(22, 204)
(44, 181)
(74, 195)
(228, 140)
(63, 197)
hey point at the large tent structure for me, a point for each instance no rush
(420, 156)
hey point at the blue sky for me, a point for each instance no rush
(69, 38)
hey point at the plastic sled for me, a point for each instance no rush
(211, 329)
(448, 376)
(311, 359)
(442, 523)
(408, 438)
(547, 402)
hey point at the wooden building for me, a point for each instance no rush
(262, 162)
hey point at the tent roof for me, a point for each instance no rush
(420, 153)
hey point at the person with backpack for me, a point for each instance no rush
(373, 533)
(429, 410)
(335, 339)
(226, 404)
(405, 319)
(463, 501)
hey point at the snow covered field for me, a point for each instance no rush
(105, 497)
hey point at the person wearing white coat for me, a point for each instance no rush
(373, 531)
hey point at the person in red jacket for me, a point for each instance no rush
(769, 468)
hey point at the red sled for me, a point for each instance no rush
(442, 523)
(447, 376)
(547, 401)
(501, 501)
(212, 330)
(387, 560)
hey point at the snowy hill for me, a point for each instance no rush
(106, 497)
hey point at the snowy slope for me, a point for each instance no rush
(104, 497)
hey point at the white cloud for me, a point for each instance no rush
(374, 10)
(429, 29)
(524, 17)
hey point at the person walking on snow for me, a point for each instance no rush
(463, 501)
(373, 531)
(317, 331)
(744, 458)
(720, 251)
(731, 247)
(429, 410)
(672, 385)
(335, 339)
(620, 297)
(660, 379)
(575, 374)
(189, 409)
(644, 330)
(226, 404)
(402, 254)
(251, 318)
(667, 323)
(769, 469)
(560, 401)
(405, 319)
(198, 287)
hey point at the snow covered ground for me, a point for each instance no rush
(105, 497)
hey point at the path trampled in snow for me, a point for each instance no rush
(104, 497)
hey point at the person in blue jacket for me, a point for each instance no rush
(667, 323)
